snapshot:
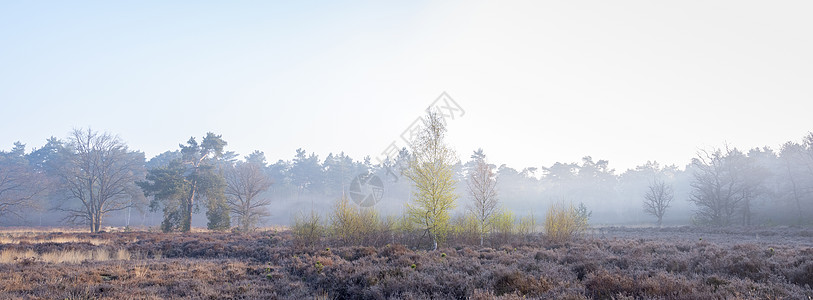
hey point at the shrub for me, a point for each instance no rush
(503, 222)
(526, 225)
(307, 229)
(606, 285)
(517, 282)
(465, 230)
(406, 231)
(344, 222)
(358, 226)
(563, 222)
(803, 275)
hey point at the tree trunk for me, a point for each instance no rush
(98, 223)
(747, 211)
(93, 217)
(186, 223)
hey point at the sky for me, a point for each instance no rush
(539, 81)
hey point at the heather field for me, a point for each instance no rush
(606, 263)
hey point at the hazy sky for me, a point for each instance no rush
(540, 81)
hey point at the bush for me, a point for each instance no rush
(358, 226)
(465, 230)
(307, 229)
(563, 222)
(526, 225)
(503, 226)
(523, 284)
(344, 222)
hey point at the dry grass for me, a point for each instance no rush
(274, 228)
(66, 256)
(140, 270)
(19, 231)
(58, 240)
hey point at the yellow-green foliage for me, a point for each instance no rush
(404, 225)
(344, 221)
(307, 228)
(431, 172)
(354, 225)
(526, 225)
(563, 223)
(502, 223)
(465, 228)
(432, 198)
(466, 223)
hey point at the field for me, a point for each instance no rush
(619, 263)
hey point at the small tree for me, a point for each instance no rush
(431, 172)
(526, 225)
(245, 182)
(482, 187)
(344, 222)
(657, 199)
(307, 229)
(563, 222)
(503, 225)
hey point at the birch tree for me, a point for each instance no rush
(431, 173)
(482, 187)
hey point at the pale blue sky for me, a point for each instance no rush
(540, 81)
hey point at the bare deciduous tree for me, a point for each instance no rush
(245, 182)
(19, 187)
(657, 199)
(793, 160)
(482, 187)
(714, 189)
(723, 185)
(100, 174)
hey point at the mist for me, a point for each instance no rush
(779, 182)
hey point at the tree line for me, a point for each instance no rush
(91, 176)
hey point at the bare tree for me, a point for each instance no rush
(722, 186)
(99, 176)
(20, 187)
(792, 160)
(482, 187)
(657, 199)
(245, 182)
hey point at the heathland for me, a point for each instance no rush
(605, 263)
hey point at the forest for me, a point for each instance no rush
(42, 186)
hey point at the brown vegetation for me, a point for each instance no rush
(272, 265)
